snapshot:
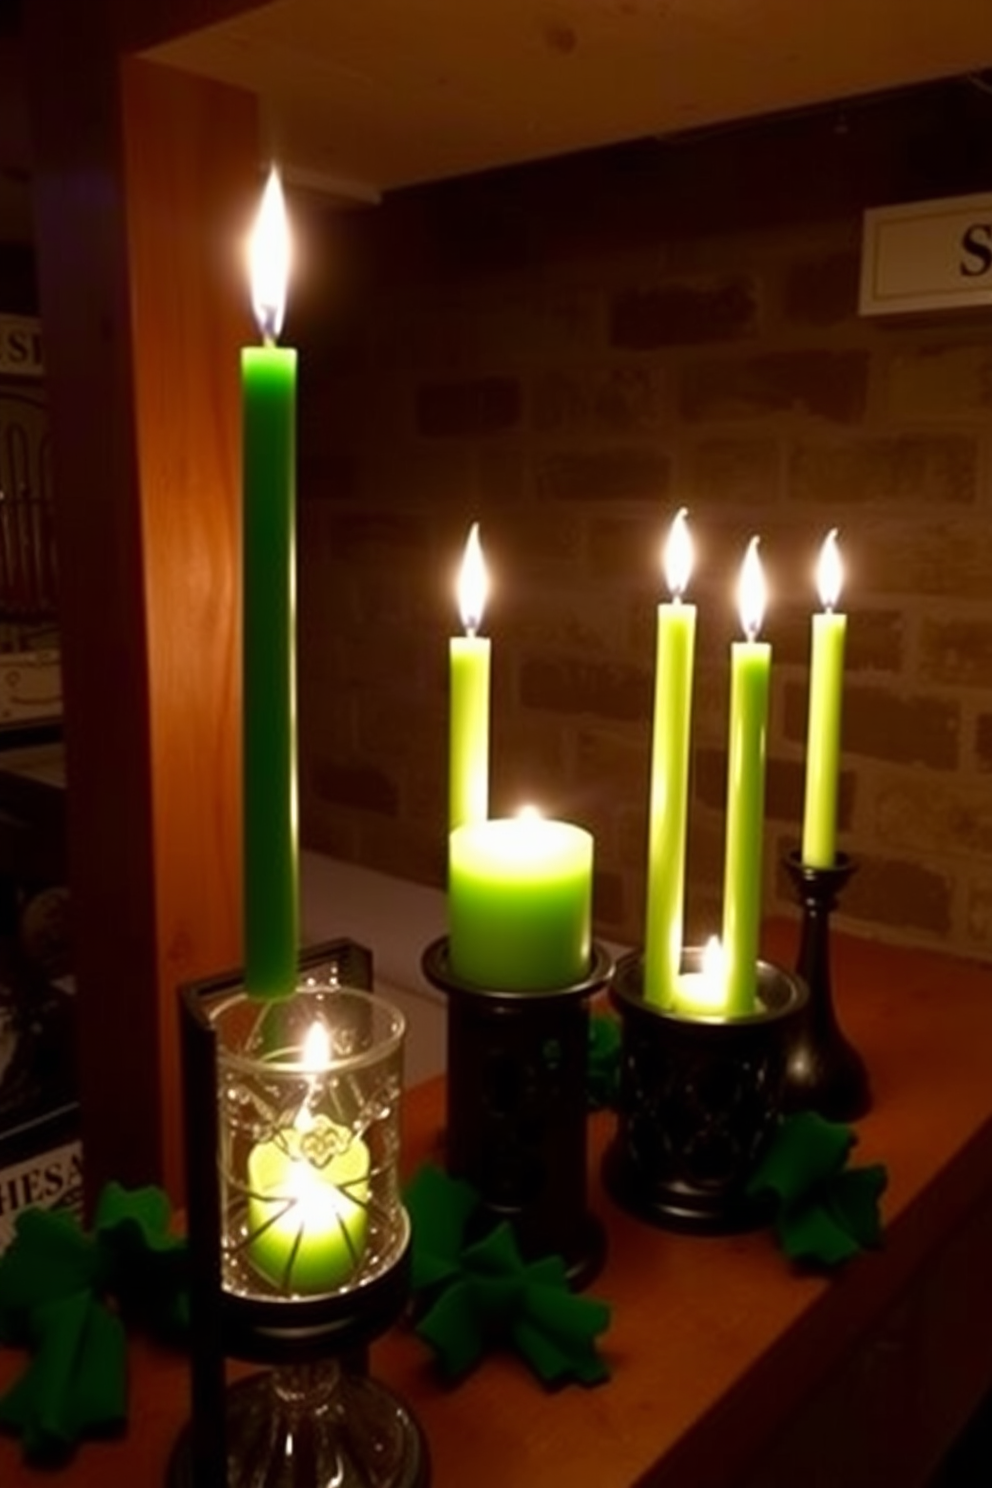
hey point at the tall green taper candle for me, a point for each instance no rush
(268, 377)
(823, 735)
(468, 765)
(750, 673)
(676, 634)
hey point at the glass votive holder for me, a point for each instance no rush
(308, 1093)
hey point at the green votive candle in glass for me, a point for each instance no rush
(826, 681)
(520, 903)
(750, 670)
(268, 380)
(676, 634)
(469, 657)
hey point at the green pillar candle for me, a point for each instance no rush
(268, 377)
(520, 903)
(468, 783)
(750, 674)
(675, 643)
(823, 734)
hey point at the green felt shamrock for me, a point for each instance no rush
(55, 1285)
(824, 1213)
(475, 1295)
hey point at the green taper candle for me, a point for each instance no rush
(823, 734)
(469, 656)
(750, 669)
(520, 903)
(674, 648)
(268, 379)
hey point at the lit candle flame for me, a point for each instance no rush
(268, 257)
(829, 571)
(678, 556)
(473, 583)
(530, 813)
(713, 970)
(752, 592)
(317, 1047)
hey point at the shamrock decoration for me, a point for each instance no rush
(54, 1282)
(475, 1294)
(824, 1213)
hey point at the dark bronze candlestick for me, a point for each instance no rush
(517, 1107)
(825, 1073)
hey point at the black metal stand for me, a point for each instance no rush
(698, 1100)
(517, 1108)
(825, 1073)
(318, 1386)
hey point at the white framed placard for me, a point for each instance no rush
(20, 346)
(932, 255)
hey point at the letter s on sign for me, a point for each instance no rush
(976, 242)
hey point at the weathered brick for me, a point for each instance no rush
(785, 786)
(905, 895)
(879, 723)
(326, 474)
(404, 849)
(831, 385)
(529, 767)
(355, 785)
(380, 532)
(533, 325)
(745, 472)
(875, 640)
(983, 741)
(686, 313)
(602, 689)
(927, 382)
(609, 905)
(821, 291)
(502, 474)
(611, 400)
(978, 913)
(956, 652)
(394, 473)
(918, 468)
(917, 816)
(631, 549)
(613, 764)
(627, 473)
(476, 406)
(924, 558)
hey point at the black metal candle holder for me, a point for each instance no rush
(699, 1098)
(517, 1108)
(825, 1073)
(314, 1415)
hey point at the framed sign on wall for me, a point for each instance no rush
(932, 255)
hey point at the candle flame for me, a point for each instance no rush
(678, 555)
(713, 969)
(829, 571)
(752, 593)
(473, 583)
(268, 257)
(317, 1047)
(530, 813)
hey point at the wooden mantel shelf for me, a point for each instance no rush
(729, 1368)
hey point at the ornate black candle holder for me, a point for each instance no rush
(825, 1073)
(698, 1100)
(299, 1245)
(517, 1108)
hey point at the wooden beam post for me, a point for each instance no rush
(145, 184)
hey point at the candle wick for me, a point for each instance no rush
(470, 631)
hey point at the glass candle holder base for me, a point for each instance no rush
(307, 1426)
(698, 1100)
(825, 1073)
(517, 1108)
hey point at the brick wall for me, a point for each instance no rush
(569, 352)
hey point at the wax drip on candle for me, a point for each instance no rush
(678, 556)
(752, 591)
(269, 258)
(829, 572)
(473, 583)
